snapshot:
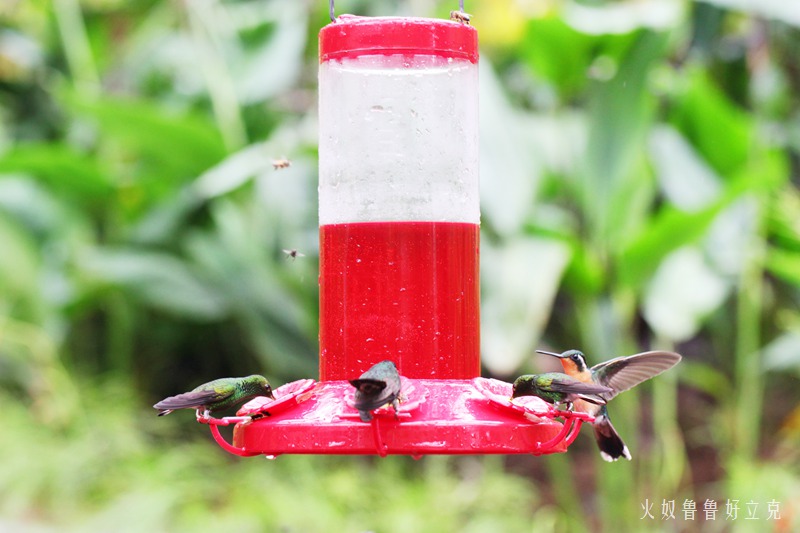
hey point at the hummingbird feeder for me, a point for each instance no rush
(399, 231)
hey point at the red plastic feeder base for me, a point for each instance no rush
(436, 416)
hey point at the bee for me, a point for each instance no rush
(294, 254)
(281, 163)
(460, 16)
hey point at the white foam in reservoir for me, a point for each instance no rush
(398, 140)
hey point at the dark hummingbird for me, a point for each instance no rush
(375, 388)
(555, 388)
(619, 374)
(217, 395)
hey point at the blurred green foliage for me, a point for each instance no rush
(639, 166)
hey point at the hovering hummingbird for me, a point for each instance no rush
(555, 388)
(619, 374)
(375, 388)
(217, 395)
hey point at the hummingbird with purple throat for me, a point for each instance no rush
(619, 375)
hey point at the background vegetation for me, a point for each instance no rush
(639, 190)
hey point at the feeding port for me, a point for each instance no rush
(399, 234)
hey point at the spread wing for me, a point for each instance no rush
(203, 395)
(573, 386)
(624, 373)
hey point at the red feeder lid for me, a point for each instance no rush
(352, 36)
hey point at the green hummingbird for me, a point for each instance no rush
(555, 388)
(619, 374)
(217, 395)
(375, 388)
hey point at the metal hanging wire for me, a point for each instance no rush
(332, 10)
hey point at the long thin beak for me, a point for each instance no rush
(551, 353)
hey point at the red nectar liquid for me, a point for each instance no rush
(405, 291)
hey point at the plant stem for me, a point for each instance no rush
(119, 346)
(749, 380)
(668, 474)
(76, 46)
(566, 493)
(203, 17)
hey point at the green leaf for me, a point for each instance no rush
(274, 65)
(558, 53)
(669, 230)
(176, 145)
(705, 378)
(63, 170)
(784, 264)
(510, 158)
(703, 113)
(780, 10)
(157, 279)
(673, 228)
(682, 293)
(586, 273)
(269, 315)
(19, 262)
(784, 219)
(783, 353)
(514, 311)
(29, 202)
(619, 114)
(684, 177)
(618, 107)
(623, 17)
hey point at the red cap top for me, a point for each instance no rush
(352, 36)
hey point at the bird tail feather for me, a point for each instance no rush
(608, 440)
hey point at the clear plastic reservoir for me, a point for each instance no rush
(398, 198)
(398, 139)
